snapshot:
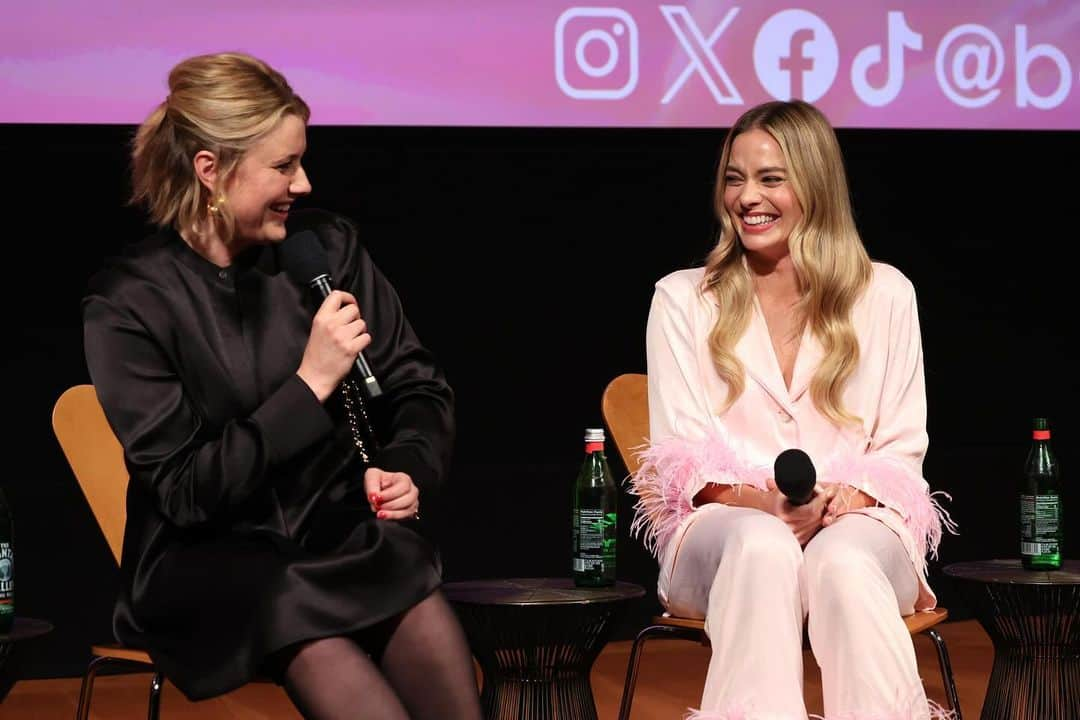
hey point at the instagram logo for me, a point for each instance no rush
(796, 56)
(596, 53)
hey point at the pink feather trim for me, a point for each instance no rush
(918, 707)
(936, 712)
(672, 472)
(732, 713)
(911, 704)
(900, 488)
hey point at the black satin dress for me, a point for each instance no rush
(247, 527)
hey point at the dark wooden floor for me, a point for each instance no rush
(670, 681)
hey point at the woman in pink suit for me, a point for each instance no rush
(790, 337)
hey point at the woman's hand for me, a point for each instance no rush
(392, 495)
(338, 334)
(845, 499)
(804, 520)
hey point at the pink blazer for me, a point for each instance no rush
(694, 442)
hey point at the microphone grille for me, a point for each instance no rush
(794, 465)
(303, 257)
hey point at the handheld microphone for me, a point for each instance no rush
(795, 476)
(304, 259)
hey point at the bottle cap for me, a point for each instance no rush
(1041, 429)
(594, 434)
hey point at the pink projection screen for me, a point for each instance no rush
(1010, 64)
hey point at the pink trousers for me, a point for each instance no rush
(744, 572)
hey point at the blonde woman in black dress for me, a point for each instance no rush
(271, 522)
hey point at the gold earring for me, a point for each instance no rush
(214, 206)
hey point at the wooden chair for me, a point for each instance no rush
(625, 408)
(96, 458)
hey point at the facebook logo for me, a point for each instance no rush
(796, 56)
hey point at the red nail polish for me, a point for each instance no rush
(381, 514)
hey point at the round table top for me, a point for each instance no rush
(537, 591)
(26, 628)
(1013, 573)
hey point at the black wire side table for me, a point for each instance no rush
(24, 629)
(536, 640)
(1033, 620)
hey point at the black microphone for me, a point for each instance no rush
(304, 259)
(795, 476)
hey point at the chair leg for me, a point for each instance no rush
(631, 673)
(635, 659)
(87, 688)
(99, 663)
(946, 672)
(154, 706)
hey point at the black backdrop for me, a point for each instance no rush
(525, 259)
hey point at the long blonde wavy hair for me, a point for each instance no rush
(831, 264)
(223, 103)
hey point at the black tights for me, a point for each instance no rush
(424, 672)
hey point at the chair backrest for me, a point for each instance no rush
(625, 407)
(96, 458)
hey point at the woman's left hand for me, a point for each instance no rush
(392, 495)
(845, 500)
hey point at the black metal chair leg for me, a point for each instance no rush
(635, 659)
(154, 706)
(631, 673)
(87, 688)
(99, 663)
(946, 672)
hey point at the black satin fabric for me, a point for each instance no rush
(247, 527)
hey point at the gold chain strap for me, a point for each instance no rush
(357, 417)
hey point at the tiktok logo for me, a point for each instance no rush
(900, 36)
(796, 56)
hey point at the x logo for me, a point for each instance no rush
(702, 59)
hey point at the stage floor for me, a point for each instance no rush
(670, 680)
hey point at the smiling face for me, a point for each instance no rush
(265, 183)
(758, 194)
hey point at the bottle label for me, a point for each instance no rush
(7, 580)
(1040, 518)
(595, 539)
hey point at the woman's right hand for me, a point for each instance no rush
(338, 335)
(804, 520)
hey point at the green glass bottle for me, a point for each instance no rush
(7, 566)
(595, 516)
(1041, 522)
